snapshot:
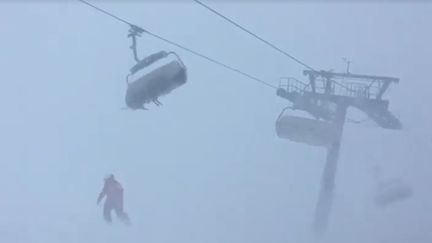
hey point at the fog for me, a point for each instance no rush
(206, 166)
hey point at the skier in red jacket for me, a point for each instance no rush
(114, 200)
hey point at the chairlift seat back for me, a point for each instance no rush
(392, 191)
(158, 82)
(305, 130)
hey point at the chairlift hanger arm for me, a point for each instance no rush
(135, 31)
(133, 47)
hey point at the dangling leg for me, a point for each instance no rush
(157, 102)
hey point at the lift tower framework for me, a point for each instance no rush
(327, 96)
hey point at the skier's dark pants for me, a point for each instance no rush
(117, 207)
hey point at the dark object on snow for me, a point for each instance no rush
(114, 200)
(158, 82)
(392, 191)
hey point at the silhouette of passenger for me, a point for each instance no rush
(114, 200)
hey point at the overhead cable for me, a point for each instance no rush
(181, 46)
(255, 35)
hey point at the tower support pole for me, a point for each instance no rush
(325, 199)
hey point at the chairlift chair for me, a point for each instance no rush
(158, 82)
(305, 130)
(392, 191)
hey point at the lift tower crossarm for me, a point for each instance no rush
(351, 76)
(383, 81)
